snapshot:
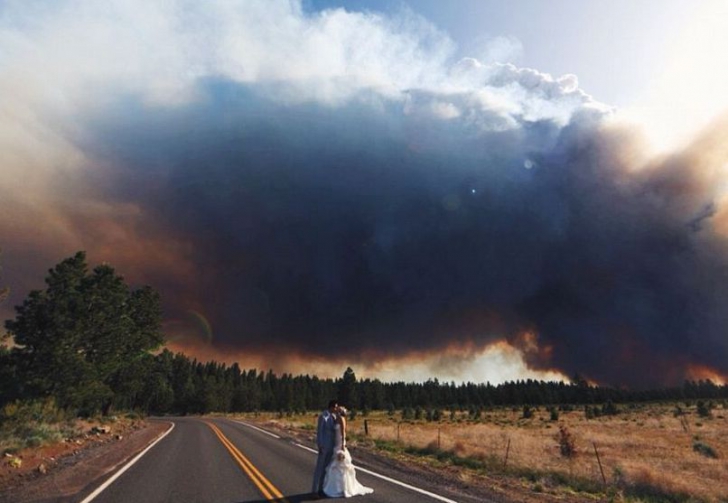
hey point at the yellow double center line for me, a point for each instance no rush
(267, 489)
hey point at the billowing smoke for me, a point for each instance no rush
(344, 185)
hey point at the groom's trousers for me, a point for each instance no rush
(323, 460)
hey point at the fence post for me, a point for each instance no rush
(684, 424)
(398, 424)
(366, 427)
(508, 449)
(438, 438)
(604, 479)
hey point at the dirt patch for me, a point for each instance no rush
(58, 471)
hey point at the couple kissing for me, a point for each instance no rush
(335, 476)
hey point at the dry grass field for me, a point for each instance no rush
(648, 453)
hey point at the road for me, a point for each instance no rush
(214, 460)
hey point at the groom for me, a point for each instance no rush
(325, 440)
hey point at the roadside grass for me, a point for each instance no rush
(647, 453)
(32, 424)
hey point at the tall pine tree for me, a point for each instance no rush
(80, 337)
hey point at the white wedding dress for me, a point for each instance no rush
(340, 480)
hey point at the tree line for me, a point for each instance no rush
(94, 345)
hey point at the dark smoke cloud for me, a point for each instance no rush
(360, 230)
(335, 218)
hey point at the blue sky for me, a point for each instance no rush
(657, 60)
(612, 46)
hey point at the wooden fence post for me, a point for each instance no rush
(604, 479)
(508, 449)
(366, 427)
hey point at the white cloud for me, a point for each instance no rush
(81, 53)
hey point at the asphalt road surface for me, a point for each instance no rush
(224, 461)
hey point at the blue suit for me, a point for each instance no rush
(325, 440)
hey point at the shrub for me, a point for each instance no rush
(609, 409)
(589, 412)
(45, 411)
(407, 413)
(705, 450)
(704, 409)
(554, 413)
(567, 443)
(527, 412)
(32, 424)
(418, 413)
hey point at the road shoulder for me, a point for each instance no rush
(82, 469)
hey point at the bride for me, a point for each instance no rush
(340, 480)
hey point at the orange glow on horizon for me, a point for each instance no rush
(496, 362)
(698, 372)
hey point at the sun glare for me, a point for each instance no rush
(688, 90)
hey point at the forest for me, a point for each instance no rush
(95, 346)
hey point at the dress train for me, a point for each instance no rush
(340, 480)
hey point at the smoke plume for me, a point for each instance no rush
(342, 185)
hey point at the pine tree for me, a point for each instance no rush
(80, 338)
(348, 392)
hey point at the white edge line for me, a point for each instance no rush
(389, 479)
(256, 428)
(111, 480)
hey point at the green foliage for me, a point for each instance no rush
(86, 341)
(527, 412)
(348, 393)
(590, 412)
(18, 412)
(78, 338)
(609, 409)
(387, 445)
(705, 450)
(32, 424)
(567, 442)
(419, 412)
(554, 413)
(704, 409)
(433, 415)
(9, 381)
(390, 409)
(408, 413)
